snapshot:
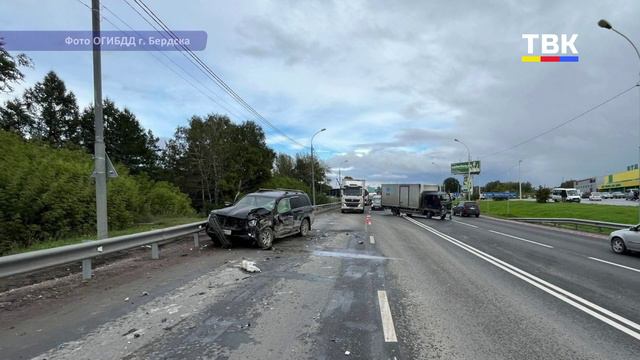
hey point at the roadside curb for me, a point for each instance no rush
(568, 231)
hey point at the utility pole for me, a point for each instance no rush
(313, 171)
(519, 181)
(100, 164)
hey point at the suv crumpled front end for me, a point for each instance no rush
(223, 227)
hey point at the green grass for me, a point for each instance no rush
(610, 213)
(153, 224)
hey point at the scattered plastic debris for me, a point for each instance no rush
(249, 266)
(144, 293)
(360, 242)
(131, 331)
(126, 299)
(347, 353)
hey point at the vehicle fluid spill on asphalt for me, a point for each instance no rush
(349, 255)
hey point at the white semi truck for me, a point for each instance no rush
(354, 196)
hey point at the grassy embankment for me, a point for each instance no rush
(609, 213)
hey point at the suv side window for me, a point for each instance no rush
(284, 206)
(305, 200)
(296, 202)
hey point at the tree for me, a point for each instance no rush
(284, 165)
(126, 140)
(451, 185)
(53, 111)
(543, 194)
(213, 159)
(10, 68)
(14, 117)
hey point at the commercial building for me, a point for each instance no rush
(588, 185)
(621, 181)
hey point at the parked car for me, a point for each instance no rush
(632, 195)
(618, 195)
(624, 240)
(262, 216)
(607, 195)
(376, 202)
(595, 197)
(467, 208)
(585, 195)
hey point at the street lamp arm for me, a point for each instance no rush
(629, 40)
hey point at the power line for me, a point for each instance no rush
(212, 75)
(176, 64)
(562, 123)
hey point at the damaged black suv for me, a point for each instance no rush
(262, 216)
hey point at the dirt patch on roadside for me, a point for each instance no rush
(63, 281)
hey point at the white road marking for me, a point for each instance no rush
(574, 300)
(372, 240)
(614, 264)
(387, 321)
(464, 223)
(521, 239)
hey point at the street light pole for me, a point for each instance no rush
(313, 170)
(468, 169)
(606, 25)
(519, 181)
(339, 173)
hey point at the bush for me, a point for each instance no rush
(47, 193)
(543, 194)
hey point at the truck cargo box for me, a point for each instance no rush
(401, 195)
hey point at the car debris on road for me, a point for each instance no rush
(249, 266)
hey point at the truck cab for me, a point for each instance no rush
(354, 196)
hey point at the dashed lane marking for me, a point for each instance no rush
(464, 223)
(521, 239)
(614, 264)
(387, 320)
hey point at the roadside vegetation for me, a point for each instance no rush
(47, 195)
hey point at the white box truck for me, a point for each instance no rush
(354, 196)
(422, 199)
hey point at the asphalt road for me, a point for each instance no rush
(403, 288)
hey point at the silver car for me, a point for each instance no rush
(625, 239)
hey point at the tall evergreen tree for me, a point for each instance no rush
(54, 112)
(14, 117)
(126, 140)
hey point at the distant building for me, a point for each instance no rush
(621, 181)
(588, 185)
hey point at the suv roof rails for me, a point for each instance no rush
(282, 189)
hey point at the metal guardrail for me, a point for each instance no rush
(326, 207)
(555, 221)
(41, 259)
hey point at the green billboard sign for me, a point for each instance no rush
(462, 168)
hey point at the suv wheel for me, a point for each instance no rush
(265, 238)
(305, 227)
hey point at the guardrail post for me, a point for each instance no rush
(86, 269)
(155, 251)
(196, 240)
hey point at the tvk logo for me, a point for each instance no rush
(551, 48)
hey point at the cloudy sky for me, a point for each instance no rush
(394, 82)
